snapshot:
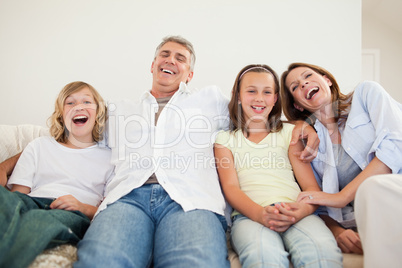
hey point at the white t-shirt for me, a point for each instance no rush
(52, 170)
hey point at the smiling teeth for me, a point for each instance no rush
(258, 108)
(167, 71)
(79, 117)
(311, 92)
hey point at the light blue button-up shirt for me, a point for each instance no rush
(373, 128)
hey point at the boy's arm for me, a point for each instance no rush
(20, 188)
(7, 167)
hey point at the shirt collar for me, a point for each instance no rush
(182, 89)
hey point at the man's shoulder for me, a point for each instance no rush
(211, 92)
(122, 105)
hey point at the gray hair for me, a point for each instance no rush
(182, 41)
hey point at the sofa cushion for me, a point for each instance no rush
(13, 139)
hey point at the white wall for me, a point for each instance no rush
(388, 41)
(45, 44)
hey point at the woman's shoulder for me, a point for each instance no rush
(368, 88)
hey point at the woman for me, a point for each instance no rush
(360, 136)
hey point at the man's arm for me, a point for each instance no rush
(7, 167)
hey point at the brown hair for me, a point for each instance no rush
(340, 101)
(238, 121)
(57, 126)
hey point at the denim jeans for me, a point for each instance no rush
(309, 242)
(147, 227)
(28, 226)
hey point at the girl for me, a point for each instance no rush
(58, 181)
(256, 165)
(360, 136)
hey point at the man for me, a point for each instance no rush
(164, 205)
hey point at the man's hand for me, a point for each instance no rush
(303, 131)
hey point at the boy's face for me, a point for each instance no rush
(79, 114)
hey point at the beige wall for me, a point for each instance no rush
(46, 44)
(377, 35)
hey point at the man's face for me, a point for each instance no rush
(170, 67)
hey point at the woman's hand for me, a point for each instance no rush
(336, 200)
(302, 131)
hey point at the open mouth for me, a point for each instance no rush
(312, 92)
(258, 108)
(167, 71)
(80, 119)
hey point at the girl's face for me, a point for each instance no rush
(310, 90)
(257, 96)
(79, 114)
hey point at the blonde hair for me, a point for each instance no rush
(237, 119)
(56, 124)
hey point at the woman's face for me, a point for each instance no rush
(310, 90)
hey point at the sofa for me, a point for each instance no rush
(14, 139)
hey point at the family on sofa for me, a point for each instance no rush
(160, 201)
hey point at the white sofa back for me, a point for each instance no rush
(13, 139)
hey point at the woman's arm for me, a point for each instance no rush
(237, 198)
(301, 131)
(347, 194)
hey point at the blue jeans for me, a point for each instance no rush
(147, 227)
(28, 226)
(309, 242)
